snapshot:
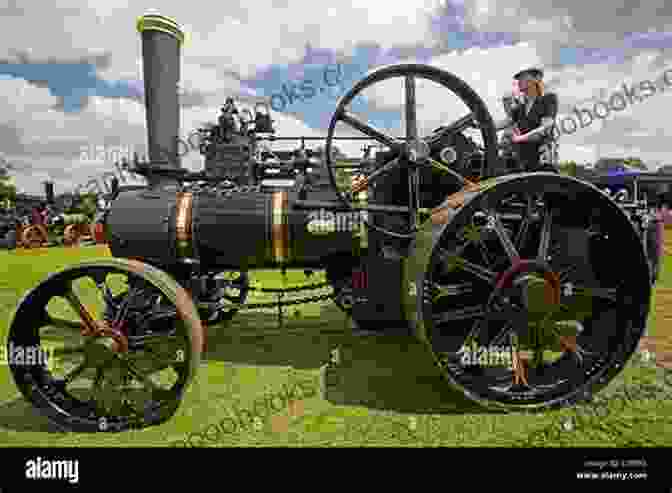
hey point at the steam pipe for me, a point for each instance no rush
(161, 42)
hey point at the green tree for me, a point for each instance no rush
(635, 162)
(86, 204)
(7, 188)
(569, 168)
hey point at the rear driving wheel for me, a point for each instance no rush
(524, 302)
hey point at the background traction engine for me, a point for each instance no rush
(520, 262)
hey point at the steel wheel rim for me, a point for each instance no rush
(627, 308)
(80, 409)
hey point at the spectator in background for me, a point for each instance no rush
(229, 121)
(38, 216)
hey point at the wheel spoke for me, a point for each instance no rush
(484, 252)
(414, 196)
(519, 366)
(61, 323)
(545, 241)
(71, 376)
(412, 143)
(410, 110)
(480, 272)
(570, 343)
(475, 334)
(506, 330)
(122, 309)
(363, 183)
(521, 237)
(475, 331)
(442, 290)
(609, 294)
(76, 304)
(455, 261)
(464, 313)
(144, 379)
(68, 351)
(503, 236)
(537, 355)
(369, 131)
(573, 293)
(457, 126)
(96, 387)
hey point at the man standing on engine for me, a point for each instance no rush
(533, 123)
(229, 123)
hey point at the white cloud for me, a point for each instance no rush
(229, 41)
(640, 130)
(239, 38)
(487, 71)
(598, 23)
(52, 141)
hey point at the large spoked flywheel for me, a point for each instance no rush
(531, 290)
(106, 345)
(404, 176)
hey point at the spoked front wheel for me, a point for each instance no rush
(522, 299)
(107, 345)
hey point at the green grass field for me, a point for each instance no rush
(385, 392)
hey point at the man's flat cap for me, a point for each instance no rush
(534, 73)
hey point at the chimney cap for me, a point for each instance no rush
(157, 22)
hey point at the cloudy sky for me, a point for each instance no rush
(71, 77)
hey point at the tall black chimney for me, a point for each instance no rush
(161, 42)
(49, 192)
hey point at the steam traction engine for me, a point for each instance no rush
(54, 226)
(522, 261)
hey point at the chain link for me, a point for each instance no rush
(293, 289)
(277, 304)
(280, 292)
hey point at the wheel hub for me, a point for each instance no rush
(536, 293)
(110, 338)
(101, 350)
(448, 155)
(534, 285)
(418, 150)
